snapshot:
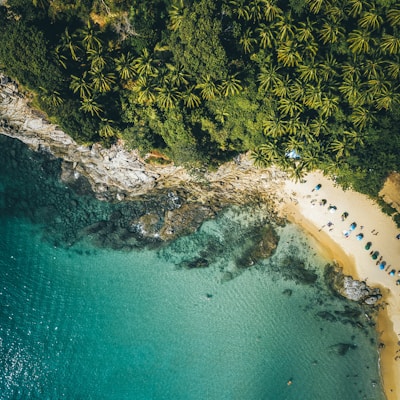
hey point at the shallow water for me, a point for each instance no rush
(81, 322)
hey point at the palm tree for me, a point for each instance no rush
(255, 10)
(282, 87)
(52, 98)
(353, 137)
(285, 27)
(41, 3)
(351, 70)
(360, 41)
(260, 158)
(266, 154)
(268, 77)
(288, 54)
(145, 89)
(89, 105)
(329, 105)
(98, 59)
(89, 36)
(266, 35)
(390, 44)
(340, 148)
(59, 57)
(208, 88)
(293, 125)
(177, 74)
(106, 129)
(378, 85)
(230, 86)
(247, 41)
(271, 10)
(328, 68)
(176, 14)
(388, 100)
(331, 32)
(124, 66)
(289, 106)
(102, 81)
(305, 31)
(190, 98)
(298, 89)
(145, 64)
(370, 19)
(313, 96)
(393, 68)
(168, 96)
(393, 16)
(68, 43)
(220, 115)
(361, 117)
(241, 9)
(356, 7)
(309, 71)
(351, 90)
(334, 12)
(319, 126)
(275, 126)
(80, 84)
(315, 5)
(372, 68)
(310, 157)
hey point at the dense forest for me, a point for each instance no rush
(303, 84)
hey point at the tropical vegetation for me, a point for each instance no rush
(203, 80)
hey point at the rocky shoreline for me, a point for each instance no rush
(146, 203)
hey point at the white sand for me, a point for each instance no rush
(350, 253)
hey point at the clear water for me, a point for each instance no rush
(80, 322)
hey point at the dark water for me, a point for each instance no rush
(83, 322)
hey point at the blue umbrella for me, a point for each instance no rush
(353, 226)
(392, 272)
(359, 236)
(382, 265)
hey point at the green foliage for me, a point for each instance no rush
(196, 44)
(201, 80)
(24, 55)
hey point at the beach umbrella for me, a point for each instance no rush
(353, 226)
(375, 255)
(346, 233)
(359, 236)
(398, 282)
(368, 246)
(322, 202)
(392, 272)
(345, 215)
(332, 209)
(382, 265)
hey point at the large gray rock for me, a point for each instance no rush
(350, 288)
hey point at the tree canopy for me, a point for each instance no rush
(201, 80)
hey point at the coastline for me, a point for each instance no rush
(349, 253)
(116, 174)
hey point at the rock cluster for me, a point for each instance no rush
(350, 288)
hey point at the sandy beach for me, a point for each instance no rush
(320, 213)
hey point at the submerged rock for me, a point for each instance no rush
(296, 270)
(263, 244)
(342, 348)
(195, 263)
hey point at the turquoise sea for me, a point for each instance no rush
(80, 320)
